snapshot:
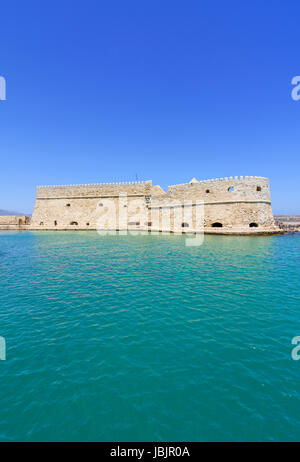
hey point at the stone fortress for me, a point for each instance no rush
(235, 205)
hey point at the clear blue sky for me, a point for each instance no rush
(98, 91)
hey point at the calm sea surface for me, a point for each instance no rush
(136, 338)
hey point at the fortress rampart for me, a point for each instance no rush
(224, 189)
(92, 190)
(14, 221)
(240, 205)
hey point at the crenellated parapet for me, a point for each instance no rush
(97, 189)
(238, 188)
(217, 180)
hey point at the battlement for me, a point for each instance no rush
(218, 180)
(96, 184)
(228, 189)
(96, 189)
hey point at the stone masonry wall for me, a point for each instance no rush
(101, 206)
(14, 220)
(90, 190)
(224, 190)
(237, 205)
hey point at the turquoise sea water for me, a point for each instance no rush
(140, 338)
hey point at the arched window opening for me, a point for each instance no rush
(74, 223)
(68, 205)
(253, 225)
(258, 188)
(217, 225)
(207, 191)
(231, 189)
(55, 223)
(185, 225)
(87, 224)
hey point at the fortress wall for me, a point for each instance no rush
(218, 189)
(91, 190)
(141, 206)
(234, 202)
(249, 202)
(14, 220)
(179, 219)
(9, 220)
(90, 213)
(93, 206)
(167, 214)
(239, 215)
